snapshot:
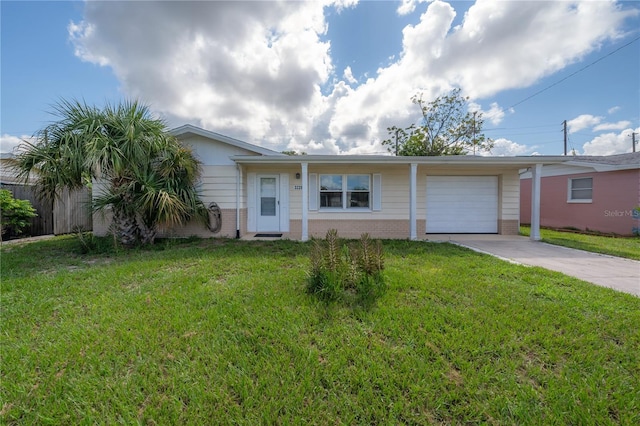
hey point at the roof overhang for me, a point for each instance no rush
(454, 160)
(599, 167)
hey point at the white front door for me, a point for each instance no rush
(268, 203)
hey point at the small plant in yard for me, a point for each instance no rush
(339, 271)
(88, 243)
(14, 214)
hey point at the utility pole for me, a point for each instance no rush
(633, 141)
(564, 127)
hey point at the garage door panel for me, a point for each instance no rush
(462, 204)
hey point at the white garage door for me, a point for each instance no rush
(462, 204)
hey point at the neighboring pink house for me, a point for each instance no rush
(587, 193)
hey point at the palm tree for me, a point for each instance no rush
(145, 177)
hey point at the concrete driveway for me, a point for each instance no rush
(607, 271)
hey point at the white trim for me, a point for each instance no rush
(454, 160)
(344, 191)
(570, 191)
(349, 210)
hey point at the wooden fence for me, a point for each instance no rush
(72, 212)
(69, 213)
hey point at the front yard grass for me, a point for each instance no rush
(205, 332)
(628, 247)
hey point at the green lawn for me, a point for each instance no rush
(201, 332)
(628, 247)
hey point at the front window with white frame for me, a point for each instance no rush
(345, 191)
(580, 190)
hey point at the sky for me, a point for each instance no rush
(330, 76)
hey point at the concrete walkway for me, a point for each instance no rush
(607, 271)
(26, 240)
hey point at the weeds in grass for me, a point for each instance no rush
(347, 272)
(89, 243)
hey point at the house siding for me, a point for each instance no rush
(615, 194)
(392, 220)
(218, 184)
(349, 228)
(197, 229)
(394, 192)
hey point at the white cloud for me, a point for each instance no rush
(263, 72)
(9, 143)
(248, 69)
(348, 75)
(408, 6)
(509, 44)
(504, 148)
(494, 115)
(583, 121)
(610, 143)
(613, 110)
(612, 126)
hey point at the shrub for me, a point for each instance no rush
(340, 271)
(14, 214)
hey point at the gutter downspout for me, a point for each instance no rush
(536, 173)
(238, 176)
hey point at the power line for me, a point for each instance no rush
(574, 73)
(565, 78)
(523, 127)
(530, 133)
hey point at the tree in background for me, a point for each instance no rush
(446, 128)
(146, 177)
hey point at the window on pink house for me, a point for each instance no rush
(580, 190)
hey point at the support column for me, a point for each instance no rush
(413, 202)
(238, 183)
(305, 202)
(536, 173)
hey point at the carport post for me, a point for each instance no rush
(412, 202)
(305, 202)
(536, 172)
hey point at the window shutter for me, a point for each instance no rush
(377, 192)
(313, 191)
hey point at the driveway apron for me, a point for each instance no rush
(607, 271)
